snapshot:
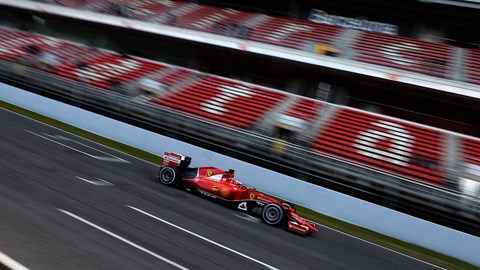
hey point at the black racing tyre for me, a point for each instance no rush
(272, 214)
(167, 176)
(290, 205)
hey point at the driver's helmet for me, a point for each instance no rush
(238, 183)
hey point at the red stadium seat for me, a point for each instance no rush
(472, 70)
(471, 151)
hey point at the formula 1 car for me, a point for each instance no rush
(220, 185)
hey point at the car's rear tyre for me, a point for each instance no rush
(272, 214)
(167, 176)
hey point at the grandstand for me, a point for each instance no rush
(451, 70)
(435, 59)
(426, 167)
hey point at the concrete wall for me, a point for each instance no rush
(340, 206)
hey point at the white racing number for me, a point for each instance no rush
(216, 105)
(286, 30)
(396, 53)
(398, 138)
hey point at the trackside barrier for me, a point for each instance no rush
(371, 216)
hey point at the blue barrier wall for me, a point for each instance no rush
(371, 216)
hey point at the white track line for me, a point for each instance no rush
(64, 145)
(377, 245)
(111, 158)
(105, 182)
(75, 149)
(203, 238)
(124, 240)
(11, 263)
(75, 135)
(99, 182)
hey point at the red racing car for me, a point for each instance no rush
(220, 185)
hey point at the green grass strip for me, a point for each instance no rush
(387, 241)
(368, 235)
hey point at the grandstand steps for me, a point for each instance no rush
(452, 158)
(159, 74)
(317, 124)
(453, 66)
(264, 125)
(187, 81)
(344, 42)
(175, 78)
(133, 89)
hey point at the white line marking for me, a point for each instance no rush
(123, 240)
(59, 137)
(100, 182)
(48, 139)
(104, 181)
(10, 263)
(203, 238)
(248, 218)
(377, 245)
(111, 158)
(75, 135)
(83, 179)
(69, 147)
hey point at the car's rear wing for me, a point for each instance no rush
(175, 160)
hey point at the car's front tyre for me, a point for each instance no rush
(290, 205)
(167, 176)
(272, 214)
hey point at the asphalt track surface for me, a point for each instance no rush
(68, 203)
